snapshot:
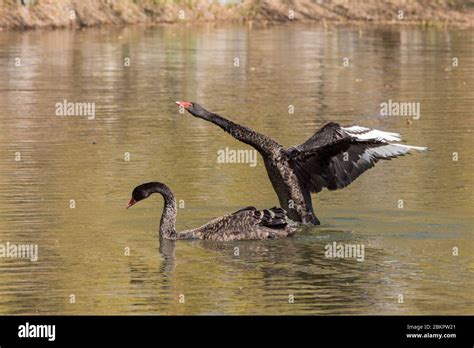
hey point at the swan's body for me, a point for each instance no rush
(332, 158)
(245, 224)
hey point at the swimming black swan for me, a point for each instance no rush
(245, 224)
(332, 158)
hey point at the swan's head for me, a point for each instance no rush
(184, 104)
(144, 191)
(194, 108)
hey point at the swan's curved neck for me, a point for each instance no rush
(168, 218)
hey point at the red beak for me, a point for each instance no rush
(183, 104)
(132, 202)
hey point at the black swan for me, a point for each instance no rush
(245, 224)
(332, 158)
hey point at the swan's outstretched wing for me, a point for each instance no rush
(335, 156)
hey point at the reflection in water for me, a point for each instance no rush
(167, 251)
(408, 251)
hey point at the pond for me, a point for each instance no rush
(65, 180)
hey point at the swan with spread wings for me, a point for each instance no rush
(332, 158)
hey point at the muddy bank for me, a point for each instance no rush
(32, 14)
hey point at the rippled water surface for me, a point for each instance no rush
(82, 251)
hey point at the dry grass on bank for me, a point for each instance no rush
(87, 13)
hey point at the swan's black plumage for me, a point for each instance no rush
(245, 224)
(335, 156)
(332, 158)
